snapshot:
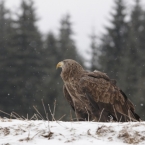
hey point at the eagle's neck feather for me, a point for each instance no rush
(72, 74)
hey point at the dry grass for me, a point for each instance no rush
(104, 130)
(130, 136)
(126, 134)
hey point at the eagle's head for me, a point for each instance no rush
(69, 68)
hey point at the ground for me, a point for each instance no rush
(30, 132)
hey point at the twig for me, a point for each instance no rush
(5, 113)
(115, 113)
(87, 113)
(53, 119)
(120, 118)
(132, 119)
(129, 115)
(32, 117)
(71, 119)
(24, 118)
(17, 115)
(61, 117)
(101, 115)
(76, 115)
(76, 112)
(48, 124)
(38, 112)
(54, 108)
(35, 135)
(44, 109)
(36, 116)
(52, 115)
(39, 116)
(13, 115)
(28, 135)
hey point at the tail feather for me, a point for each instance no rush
(136, 116)
(131, 107)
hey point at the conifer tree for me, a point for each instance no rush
(52, 84)
(6, 51)
(135, 58)
(27, 60)
(94, 52)
(66, 44)
(122, 52)
(114, 43)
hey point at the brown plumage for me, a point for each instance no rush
(93, 95)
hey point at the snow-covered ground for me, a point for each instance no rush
(17, 132)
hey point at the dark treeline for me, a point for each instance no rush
(121, 52)
(27, 62)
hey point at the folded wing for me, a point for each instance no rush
(103, 92)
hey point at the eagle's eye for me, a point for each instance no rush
(64, 61)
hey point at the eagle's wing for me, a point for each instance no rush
(68, 97)
(99, 89)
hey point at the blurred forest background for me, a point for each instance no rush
(28, 59)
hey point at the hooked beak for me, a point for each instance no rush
(60, 64)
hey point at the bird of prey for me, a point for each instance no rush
(94, 96)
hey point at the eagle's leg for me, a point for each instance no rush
(84, 115)
(81, 115)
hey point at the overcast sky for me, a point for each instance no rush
(85, 15)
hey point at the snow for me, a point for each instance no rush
(34, 132)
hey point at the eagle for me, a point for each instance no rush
(94, 96)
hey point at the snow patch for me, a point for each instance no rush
(17, 132)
